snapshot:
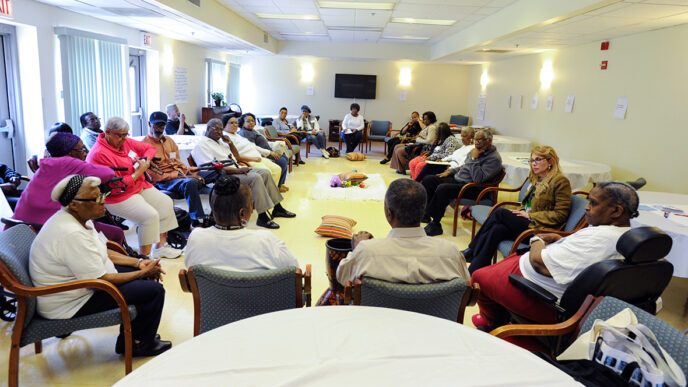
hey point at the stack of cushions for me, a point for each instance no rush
(336, 227)
(355, 156)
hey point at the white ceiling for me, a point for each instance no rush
(342, 25)
(339, 26)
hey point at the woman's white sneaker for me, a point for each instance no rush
(325, 153)
(167, 251)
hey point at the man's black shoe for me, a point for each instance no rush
(433, 228)
(467, 254)
(426, 219)
(282, 213)
(401, 173)
(384, 161)
(301, 162)
(267, 224)
(119, 345)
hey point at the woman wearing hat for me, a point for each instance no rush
(309, 124)
(85, 256)
(68, 155)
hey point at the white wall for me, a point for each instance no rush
(276, 82)
(648, 68)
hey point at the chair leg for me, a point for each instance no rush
(38, 346)
(473, 230)
(456, 218)
(13, 376)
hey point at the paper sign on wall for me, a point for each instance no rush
(621, 107)
(181, 84)
(520, 102)
(548, 106)
(534, 101)
(569, 103)
(481, 107)
(309, 90)
(508, 102)
(402, 95)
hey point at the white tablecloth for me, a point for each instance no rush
(511, 144)
(579, 173)
(185, 143)
(345, 346)
(674, 225)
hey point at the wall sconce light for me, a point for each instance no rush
(484, 79)
(405, 76)
(546, 75)
(307, 72)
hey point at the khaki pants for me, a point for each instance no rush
(151, 210)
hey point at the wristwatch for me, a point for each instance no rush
(536, 238)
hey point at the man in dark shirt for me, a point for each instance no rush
(9, 182)
(176, 122)
(482, 165)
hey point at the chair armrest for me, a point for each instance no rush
(501, 204)
(243, 164)
(348, 290)
(25, 178)
(184, 281)
(389, 132)
(533, 231)
(561, 328)
(474, 294)
(493, 189)
(307, 284)
(11, 222)
(535, 290)
(471, 185)
(290, 136)
(114, 246)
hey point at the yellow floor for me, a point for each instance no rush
(88, 357)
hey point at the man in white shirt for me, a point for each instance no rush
(215, 146)
(407, 254)
(554, 262)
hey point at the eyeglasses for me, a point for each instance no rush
(120, 135)
(538, 160)
(98, 199)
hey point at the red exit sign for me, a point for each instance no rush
(6, 8)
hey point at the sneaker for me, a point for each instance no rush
(433, 228)
(479, 321)
(325, 153)
(167, 251)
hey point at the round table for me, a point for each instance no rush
(346, 345)
(674, 225)
(184, 142)
(511, 144)
(579, 173)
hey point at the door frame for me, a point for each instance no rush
(8, 33)
(143, 80)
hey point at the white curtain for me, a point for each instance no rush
(93, 78)
(216, 77)
(234, 81)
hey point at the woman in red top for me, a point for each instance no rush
(143, 204)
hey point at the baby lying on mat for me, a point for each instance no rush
(348, 179)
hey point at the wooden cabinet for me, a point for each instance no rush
(333, 133)
(213, 112)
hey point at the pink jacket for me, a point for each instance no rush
(35, 204)
(103, 153)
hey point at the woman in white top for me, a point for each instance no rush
(229, 245)
(352, 129)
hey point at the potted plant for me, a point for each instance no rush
(217, 97)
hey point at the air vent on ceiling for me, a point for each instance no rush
(197, 3)
(494, 51)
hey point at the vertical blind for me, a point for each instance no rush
(234, 86)
(92, 78)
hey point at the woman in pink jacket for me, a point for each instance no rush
(143, 204)
(67, 158)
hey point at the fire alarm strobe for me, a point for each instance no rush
(603, 65)
(604, 46)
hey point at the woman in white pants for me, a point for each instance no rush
(143, 204)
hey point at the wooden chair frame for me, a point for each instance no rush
(285, 138)
(370, 141)
(364, 138)
(308, 141)
(33, 163)
(187, 281)
(470, 297)
(11, 283)
(570, 326)
(466, 187)
(497, 205)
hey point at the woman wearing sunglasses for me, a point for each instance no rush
(546, 205)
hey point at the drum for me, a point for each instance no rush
(336, 250)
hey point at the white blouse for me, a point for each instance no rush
(351, 123)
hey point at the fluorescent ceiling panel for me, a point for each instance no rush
(409, 20)
(285, 16)
(355, 5)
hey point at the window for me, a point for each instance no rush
(216, 77)
(234, 82)
(93, 75)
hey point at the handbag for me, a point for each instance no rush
(630, 349)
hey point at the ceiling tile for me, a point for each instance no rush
(425, 12)
(315, 26)
(366, 36)
(646, 11)
(368, 18)
(487, 10)
(341, 36)
(668, 2)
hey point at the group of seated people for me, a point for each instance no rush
(65, 196)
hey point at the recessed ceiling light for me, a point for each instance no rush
(406, 37)
(410, 20)
(354, 5)
(285, 16)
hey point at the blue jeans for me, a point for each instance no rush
(283, 162)
(318, 140)
(189, 188)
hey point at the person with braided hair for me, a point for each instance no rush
(68, 248)
(229, 244)
(553, 261)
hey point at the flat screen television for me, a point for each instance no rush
(355, 86)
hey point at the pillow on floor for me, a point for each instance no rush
(356, 178)
(355, 156)
(336, 227)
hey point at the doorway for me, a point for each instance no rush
(11, 136)
(137, 92)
